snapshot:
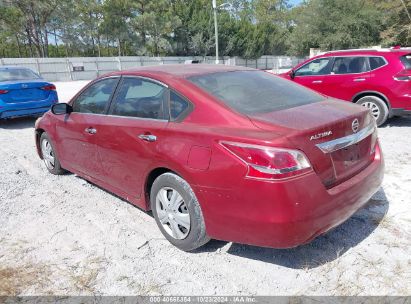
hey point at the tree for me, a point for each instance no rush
(334, 24)
(116, 21)
(156, 24)
(37, 15)
(396, 21)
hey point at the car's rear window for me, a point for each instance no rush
(406, 61)
(255, 92)
(17, 74)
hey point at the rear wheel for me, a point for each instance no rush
(377, 107)
(177, 212)
(50, 158)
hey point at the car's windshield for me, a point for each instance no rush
(255, 92)
(17, 74)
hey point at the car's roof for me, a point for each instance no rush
(184, 70)
(401, 51)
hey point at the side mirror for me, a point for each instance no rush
(61, 109)
(292, 74)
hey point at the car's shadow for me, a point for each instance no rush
(404, 121)
(18, 123)
(323, 249)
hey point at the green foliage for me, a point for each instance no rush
(396, 21)
(334, 24)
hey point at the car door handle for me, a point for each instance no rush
(359, 79)
(148, 137)
(317, 81)
(90, 130)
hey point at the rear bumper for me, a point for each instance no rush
(25, 112)
(288, 213)
(8, 110)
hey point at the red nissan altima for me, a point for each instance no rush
(220, 152)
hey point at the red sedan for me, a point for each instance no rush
(220, 152)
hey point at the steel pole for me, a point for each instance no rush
(215, 31)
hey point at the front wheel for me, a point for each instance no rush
(50, 158)
(177, 212)
(377, 107)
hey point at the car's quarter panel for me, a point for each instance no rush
(397, 93)
(285, 213)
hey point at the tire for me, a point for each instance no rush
(177, 212)
(377, 106)
(49, 155)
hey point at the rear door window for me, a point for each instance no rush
(320, 66)
(376, 62)
(179, 106)
(138, 97)
(349, 65)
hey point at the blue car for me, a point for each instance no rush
(24, 93)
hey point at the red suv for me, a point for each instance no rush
(376, 79)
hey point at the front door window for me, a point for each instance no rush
(316, 67)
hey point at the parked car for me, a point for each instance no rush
(220, 152)
(376, 79)
(24, 93)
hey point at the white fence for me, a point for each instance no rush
(86, 68)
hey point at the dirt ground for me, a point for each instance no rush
(62, 235)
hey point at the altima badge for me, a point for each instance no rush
(321, 135)
(355, 125)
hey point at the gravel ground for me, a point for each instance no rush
(62, 235)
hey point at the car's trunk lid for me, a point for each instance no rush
(308, 126)
(24, 91)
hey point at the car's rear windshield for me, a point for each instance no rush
(255, 92)
(17, 74)
(406, 61)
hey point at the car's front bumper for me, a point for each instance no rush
(287, 213)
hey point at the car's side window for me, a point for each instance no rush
(96, 97)
(376, 62)
(178, 106)
(349, 65)
(319, 66)
(138, 97)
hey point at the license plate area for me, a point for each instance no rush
(349, 160)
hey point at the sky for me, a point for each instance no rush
(295, 2)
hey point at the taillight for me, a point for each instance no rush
(3, 91)
(404, 75)
(50, 87)
(377, 151)
(267, 162)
